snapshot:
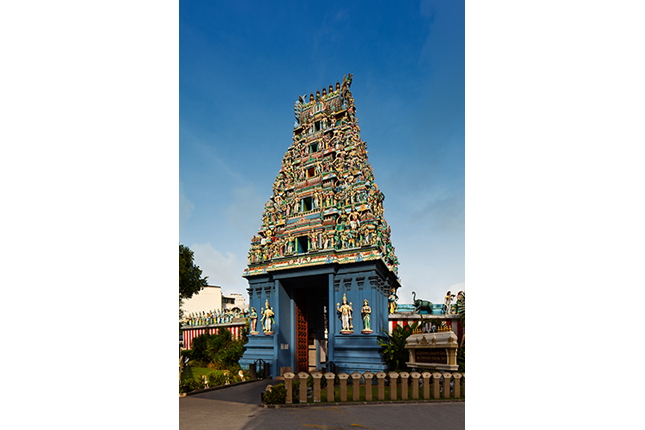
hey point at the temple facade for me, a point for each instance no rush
(322, 266)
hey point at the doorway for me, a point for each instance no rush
(310, 297)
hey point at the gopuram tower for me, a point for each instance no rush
(321, 266)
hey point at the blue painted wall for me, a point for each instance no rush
(350, 352)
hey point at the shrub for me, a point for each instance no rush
(191, 384)
(216, 378)
(221, 349)
(393, 345)
(276, 395)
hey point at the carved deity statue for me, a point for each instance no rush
(253, 320)
(267, 319)
(366, 313)
(447, 302)
(392, 301)
(345, 315)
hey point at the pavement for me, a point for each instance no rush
(239, 407)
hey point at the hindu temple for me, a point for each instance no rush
(321, 266)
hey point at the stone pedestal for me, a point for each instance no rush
(415, 385)
(288, 383)
(329, 378)
(343, 386)
(356, 386)
(368, 385)
(393, 377)
(303, 386)
(380, 390)
(317, 377)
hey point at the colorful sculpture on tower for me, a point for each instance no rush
(324, 198)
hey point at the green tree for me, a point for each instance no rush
(190, 276)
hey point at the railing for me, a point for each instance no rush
(432, 386)
(191, 332)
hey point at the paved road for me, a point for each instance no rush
(238, 408)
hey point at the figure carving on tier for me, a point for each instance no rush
(447, 303)
(267, 319)
(345, 316)
(366, 313)
(253, 321)
(461, 302)
(392, 301)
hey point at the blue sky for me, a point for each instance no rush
(242, 66)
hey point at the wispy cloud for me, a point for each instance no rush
(244, 213)
(225, 271)
(185, 206)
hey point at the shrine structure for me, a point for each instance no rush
(322, 266)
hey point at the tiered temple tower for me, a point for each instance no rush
(323, 248)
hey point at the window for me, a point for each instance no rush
(310, 172)
(313, 148)
(317, 126)
(306, 204)
(301, 243)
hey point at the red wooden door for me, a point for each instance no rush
(302, 331)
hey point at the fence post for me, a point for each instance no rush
(329, 377)
(368, 385)
(404, 385)
(415, 385)
(303, 386)
(317, 377)
(393, 377)
(435, 384)
(343, 386)
(446, 384)
(426, 385)
(380, 391)
(356, 386)
(457, 379)
(288, 382)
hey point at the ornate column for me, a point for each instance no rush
(415, 385)
(288, 383)
(436, 377)
(317, 377)
(303, 386)
(343, 386)
(356, 385)
(329, 377)
(368, 385)
(446, 384)
(393, 377)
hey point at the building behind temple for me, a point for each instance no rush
(322, 265)
(211, 298)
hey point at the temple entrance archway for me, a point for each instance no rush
(310, 298)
